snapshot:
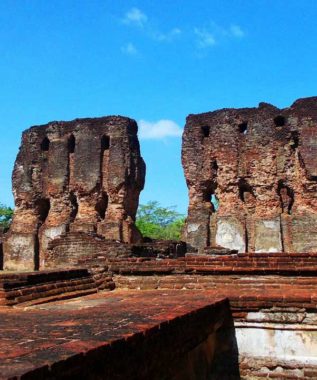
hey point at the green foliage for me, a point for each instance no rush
(159, 222)
(5, 216)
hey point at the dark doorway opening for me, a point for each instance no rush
(205, 130)
(71, 144)
(45, 144)
(105, 143)
(279, 121)
(243, 128)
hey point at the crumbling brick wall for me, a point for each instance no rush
(85, 175)
(260, 164)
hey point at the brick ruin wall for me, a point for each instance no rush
(80, 176)
(260, 165)
(77, 184)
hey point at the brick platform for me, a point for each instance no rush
(111, 336)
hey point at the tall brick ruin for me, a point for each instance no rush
(79, 176)
(260, 164)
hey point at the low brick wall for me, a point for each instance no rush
(79, 249)
(45, 286)
(242, 264)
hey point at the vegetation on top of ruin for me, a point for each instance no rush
(5, 216)
(157, 222)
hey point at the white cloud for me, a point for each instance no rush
(166, 37)
(204, 38)
(236, 31)
(129, 49)
(159, 129)
(214, 34)
(135, 17)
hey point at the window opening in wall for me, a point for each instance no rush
(243, 128)
(71, 144)
(205, 130)
(279, 121)
(244, 187)
(101, 206)
(45, 145)
(105, 143)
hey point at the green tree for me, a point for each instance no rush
(5, 216)
(158, 222)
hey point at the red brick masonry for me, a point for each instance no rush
(110, 335)
(48, 286)
(260, 263)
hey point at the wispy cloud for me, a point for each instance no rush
(135, 17)
(215, 34)
(159, 129)
(129, 49)
(204, 38)
(169, 36)
(236, 31)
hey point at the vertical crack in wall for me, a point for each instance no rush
(42, 207)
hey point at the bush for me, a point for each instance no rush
(5, 216)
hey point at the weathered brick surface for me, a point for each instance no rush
(120, 335)
(48, 286)
(259, 370)
(84, 175)
(80, 249)
(291, 264)
(261, 165)
(251, 282)
(245, 294)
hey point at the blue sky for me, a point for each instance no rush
(156, 62)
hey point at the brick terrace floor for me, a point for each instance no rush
(42, 335)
